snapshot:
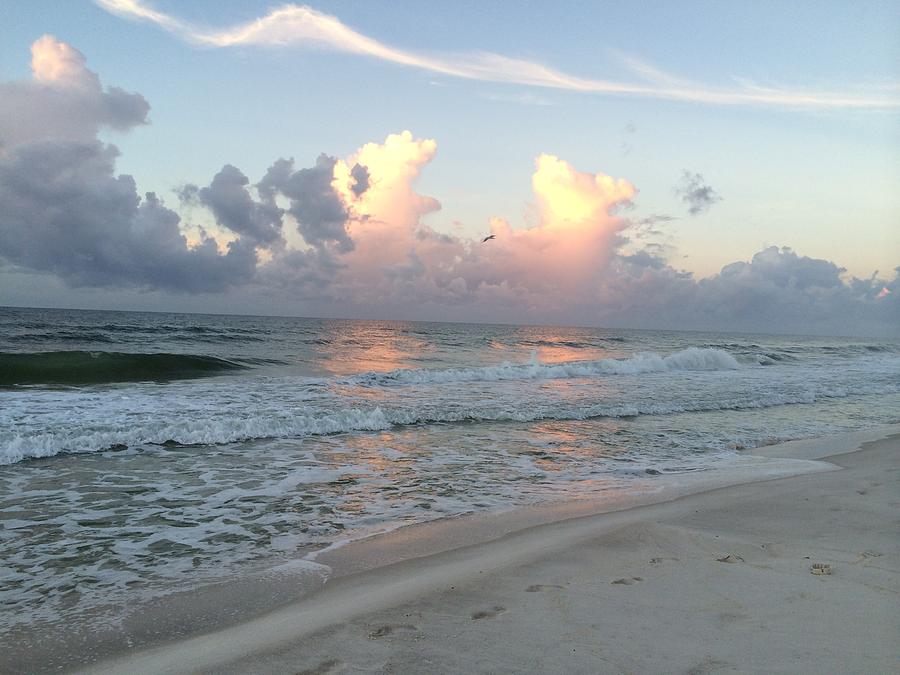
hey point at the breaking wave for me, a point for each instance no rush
(215, 429)
(81, 367)
(692, 358)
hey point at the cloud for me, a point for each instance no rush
(234, 208)
(315, 205)
(301, 25)
(64, 100)
(360, 176)
(386, 216)
(353, 235)
(573, 241)
(695, 192)
(778, 290)
(399, 259)
(655, 219)
(571, 265)
(62, 210)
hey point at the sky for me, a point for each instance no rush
(705, 165)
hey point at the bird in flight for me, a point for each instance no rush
(490, 236)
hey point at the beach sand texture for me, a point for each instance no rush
(716, 582)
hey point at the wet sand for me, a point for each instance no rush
(716, 581)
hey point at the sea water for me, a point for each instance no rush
(142, 453)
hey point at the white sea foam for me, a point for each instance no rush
(82, 430)
(690, 359)
(210, 429)
(38, 423)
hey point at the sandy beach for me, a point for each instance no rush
(345, 338)
(716, 581)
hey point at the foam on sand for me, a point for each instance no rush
(557, 584)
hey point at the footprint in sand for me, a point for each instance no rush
(710, 665)
(771, 548)
(390, 628)
(627, 581)
(537, 588)
(865, 555)
(488, 613)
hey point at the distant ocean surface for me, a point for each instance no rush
(142, 452)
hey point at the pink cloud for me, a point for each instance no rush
(398, 258)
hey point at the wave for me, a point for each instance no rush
(692, 358)
(126, 334)
(202, 430)
(573, 344)
(81, 367)
(60, 336)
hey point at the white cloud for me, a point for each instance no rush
(301, 25)
(63, 100)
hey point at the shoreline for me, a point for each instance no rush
(413, 563)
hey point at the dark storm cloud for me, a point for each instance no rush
(784, 269)
(63, 210)
(777, 290)
(360, 175)
(276, 176)
(317, 208)
(644, 258)
(233, 206)
(695, 192)
(302, 275)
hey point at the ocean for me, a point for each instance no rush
(143, 453)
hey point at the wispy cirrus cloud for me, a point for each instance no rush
(304, 26)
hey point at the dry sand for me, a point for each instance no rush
(713, 582)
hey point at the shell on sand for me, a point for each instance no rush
(820, 568)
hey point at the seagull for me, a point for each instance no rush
(490, 236)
